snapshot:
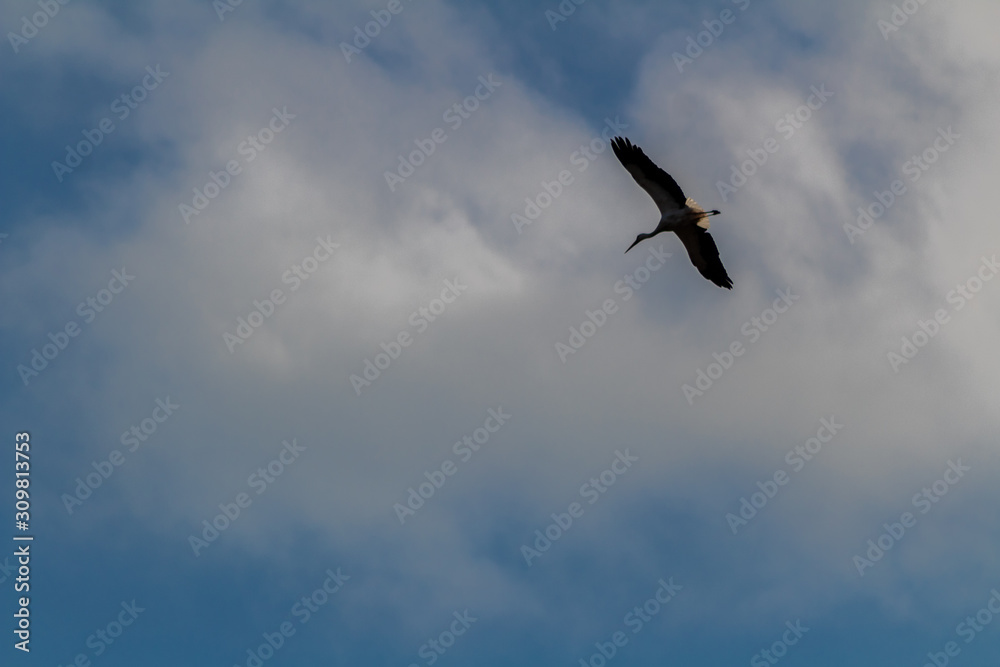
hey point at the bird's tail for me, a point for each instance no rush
(693, 205)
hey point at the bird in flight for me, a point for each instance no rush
(678, 214)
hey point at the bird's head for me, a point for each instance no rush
(640, 237)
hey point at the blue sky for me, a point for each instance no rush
(291, 340)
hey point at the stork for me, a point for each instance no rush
(678, 214)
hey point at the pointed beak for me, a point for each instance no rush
(633, 245)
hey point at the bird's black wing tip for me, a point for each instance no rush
(714, 270)
(623, 143)
(720, 279)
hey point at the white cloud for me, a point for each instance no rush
(495, 345)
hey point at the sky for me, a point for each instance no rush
(320, 346)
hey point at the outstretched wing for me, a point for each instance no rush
(704, 254)
(656, 182)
